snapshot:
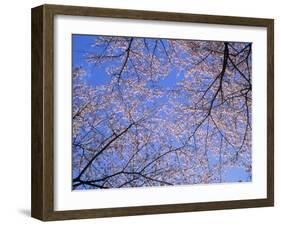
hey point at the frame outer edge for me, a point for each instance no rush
(37, 113)
(156, 15)
(270, 112)
(48, 119)
(42, 114)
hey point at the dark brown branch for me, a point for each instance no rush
(101, 151)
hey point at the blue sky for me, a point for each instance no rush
(81, 46)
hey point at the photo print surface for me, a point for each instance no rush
(160, 112)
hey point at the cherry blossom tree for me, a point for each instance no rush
(168, 112)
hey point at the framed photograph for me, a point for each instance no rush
(141, 112)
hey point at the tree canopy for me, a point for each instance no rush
(153, 112)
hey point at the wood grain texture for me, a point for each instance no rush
(270, 111)
(37, 158)
(42, 113)
(43, 107)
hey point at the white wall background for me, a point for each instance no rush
(15, 112)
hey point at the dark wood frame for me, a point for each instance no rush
(42, 203)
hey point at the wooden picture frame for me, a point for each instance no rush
(42, 203)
